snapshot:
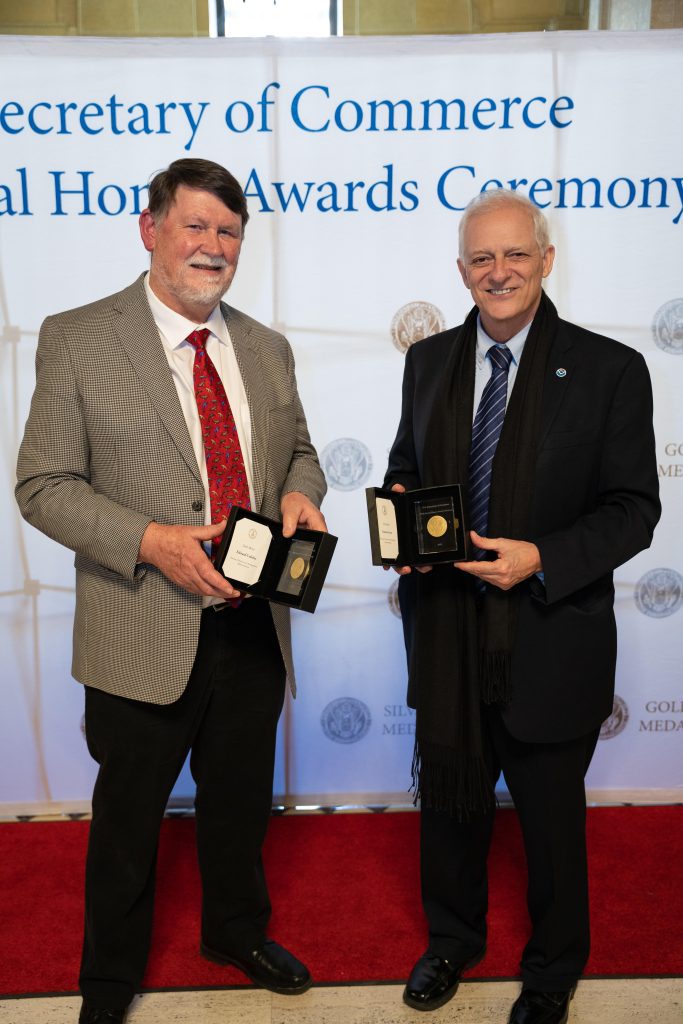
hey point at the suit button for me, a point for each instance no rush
(197, 506)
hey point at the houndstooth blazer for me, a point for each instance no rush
(106, 450)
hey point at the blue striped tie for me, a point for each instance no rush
(486, 429)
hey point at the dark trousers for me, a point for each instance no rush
(546, 782)
(227, 717)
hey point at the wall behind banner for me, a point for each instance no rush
(358, 17)
(357, 156)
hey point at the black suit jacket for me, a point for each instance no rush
(595, 505)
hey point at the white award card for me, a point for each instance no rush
(388, 530)
(247, 551)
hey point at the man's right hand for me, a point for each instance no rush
(178, 553)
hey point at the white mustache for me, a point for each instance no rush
(216, 262)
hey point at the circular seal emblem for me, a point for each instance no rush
(415, 321)
(667, 327)
(345, 720)
(392, 598)
(659, 593)
(617, 721)
(346, 463)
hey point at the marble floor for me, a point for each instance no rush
(601, 1001)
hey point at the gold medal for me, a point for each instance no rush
(297, 568)
(436, 526)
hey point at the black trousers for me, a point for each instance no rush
(546, 782)
(227, 717)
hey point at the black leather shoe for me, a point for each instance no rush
(271, 966)
(534, 1007)
(99, 1015)
(433, 980)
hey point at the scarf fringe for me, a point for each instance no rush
(494, 677)
(441, 784)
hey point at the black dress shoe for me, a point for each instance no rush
(100, 1015)
(433, 980)
(534, 1007)
(271, 966)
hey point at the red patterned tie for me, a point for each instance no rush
(224, 463)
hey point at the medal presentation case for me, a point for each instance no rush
(256, 559)
(420, 527)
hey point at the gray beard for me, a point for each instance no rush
(209, 295)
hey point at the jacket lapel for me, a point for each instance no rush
(139, 337)
(248, 358)
(558, 380)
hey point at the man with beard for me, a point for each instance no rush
(155, 410)
(512, 654)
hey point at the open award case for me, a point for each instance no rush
(421, 527)
(255, 557)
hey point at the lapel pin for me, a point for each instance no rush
(560, 372)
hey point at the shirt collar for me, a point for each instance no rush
(174, 327)
(515, 344)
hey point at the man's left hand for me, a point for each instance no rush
(298, 510)
(516, 560)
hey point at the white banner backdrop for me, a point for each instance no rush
(357, 156)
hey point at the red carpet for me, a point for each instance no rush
(346, 895)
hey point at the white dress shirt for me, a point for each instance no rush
(173, 330)
(483, 367)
